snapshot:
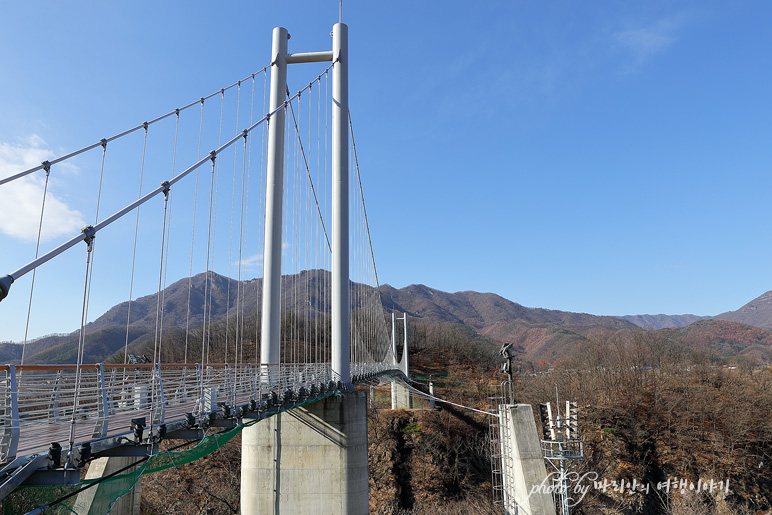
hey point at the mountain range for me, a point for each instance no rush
(537, 334)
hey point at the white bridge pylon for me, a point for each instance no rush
(270, 348)
(100, 409)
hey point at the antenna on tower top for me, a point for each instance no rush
(340, 12)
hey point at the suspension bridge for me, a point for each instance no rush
(254, 183)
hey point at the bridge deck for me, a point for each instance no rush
(36, 402)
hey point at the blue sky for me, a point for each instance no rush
(607, 157)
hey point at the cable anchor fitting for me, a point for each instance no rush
(47, 167)
(89, 235)
(167, 187)
(5, 284)
(145, 125)
(103, 142)
(213, 155)
(245, 133)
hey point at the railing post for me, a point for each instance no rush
(252, 386)
(103, 411)
(229, 382)
(55, 397)
(110, 392)
(200, 386)
(10, 435)
(160, 413)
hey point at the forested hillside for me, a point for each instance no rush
(650, 408)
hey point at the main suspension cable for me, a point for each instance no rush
(127, 132)
(116, 216)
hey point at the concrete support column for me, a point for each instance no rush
(400, 397)
(308, 460)
(523, 469)
(126, 505)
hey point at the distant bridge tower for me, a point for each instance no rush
(312, 459)
(400, 396)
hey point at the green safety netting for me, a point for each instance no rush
(100, 499)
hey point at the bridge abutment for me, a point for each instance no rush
(311, 459)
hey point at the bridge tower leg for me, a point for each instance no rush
(400, 396)
(341, 366)
(312, 459)
(270, 338)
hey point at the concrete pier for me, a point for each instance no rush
(126, 505)
(400, 397)
(308, 460)
(526, 484)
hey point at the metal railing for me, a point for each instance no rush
(38, 403)
(567, 449)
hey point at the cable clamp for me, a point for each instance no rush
(103, 142)
(245, 133)
(5, 284)
(166, 189)
(177, 111)
(202, 100)
(213, 155)
(145, 124)
(90, 234)
(46, 166)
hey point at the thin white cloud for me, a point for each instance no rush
(21, 200)
(256, 260)
(643, 43)
(251, 262)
